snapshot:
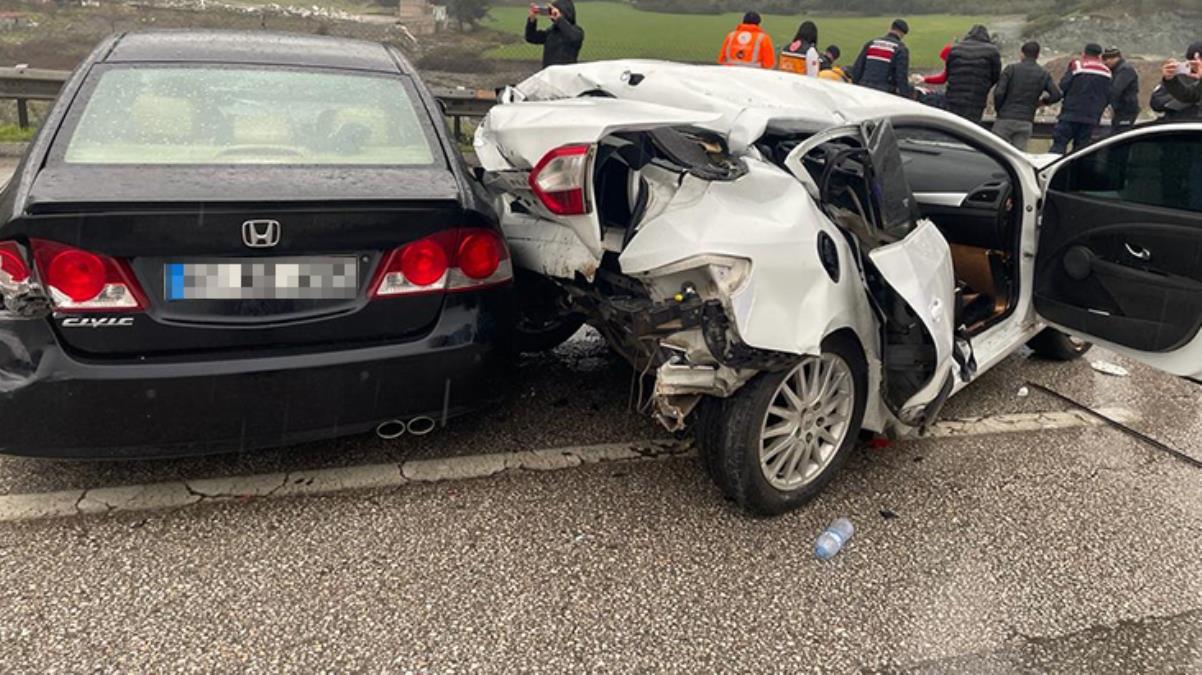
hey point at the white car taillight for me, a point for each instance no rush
(82, 281)
(13, 270)
(560, 180)
(454, 260)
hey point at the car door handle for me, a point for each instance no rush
(1138, 252)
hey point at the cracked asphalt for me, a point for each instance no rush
(1056, 550)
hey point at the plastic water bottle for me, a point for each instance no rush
(832, 540)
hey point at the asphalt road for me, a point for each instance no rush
(1051, 550)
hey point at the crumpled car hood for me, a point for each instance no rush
(518, 134)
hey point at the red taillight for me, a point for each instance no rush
(82, 281)
(480, 255)
(12, 265)
(454, 260)
(560, 180)
(79, 275)
(424, 262)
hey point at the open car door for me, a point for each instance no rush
(1119, 260)
(906, 264)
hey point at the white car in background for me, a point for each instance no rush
(798, 261)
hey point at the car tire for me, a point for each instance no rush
(759, 471)
(541, 325)
(1054, 345)
(707, 427)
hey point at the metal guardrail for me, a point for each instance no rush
(30, 84)
(36, 84)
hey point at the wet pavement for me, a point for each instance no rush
(1068, 550)
(1073, 549)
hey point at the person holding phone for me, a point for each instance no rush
(1183, 79)
(563, 39)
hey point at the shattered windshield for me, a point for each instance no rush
(221, 115)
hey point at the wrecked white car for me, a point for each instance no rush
(797, 261)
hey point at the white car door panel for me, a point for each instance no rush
(1119, 260)
(911, 258)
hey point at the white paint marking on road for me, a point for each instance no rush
(377, 476)
(1020, 422)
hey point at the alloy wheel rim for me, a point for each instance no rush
(806, 422)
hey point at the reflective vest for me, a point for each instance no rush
(747, 46)
(793, 58)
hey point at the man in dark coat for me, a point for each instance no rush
(1124, 91)
(1086, 87)
(562, 40)
(1024, 87)
(1171, 108)
(884, 63)
(1183, 80)
(973, 67)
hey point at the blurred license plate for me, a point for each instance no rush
(332, 278)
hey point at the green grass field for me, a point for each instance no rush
(614, 30)
(11, 133)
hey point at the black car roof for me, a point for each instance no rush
(256, 47)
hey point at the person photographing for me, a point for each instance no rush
(1170, 107)
(563, 39)
(1183, 79)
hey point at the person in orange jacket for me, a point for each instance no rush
(748, 45)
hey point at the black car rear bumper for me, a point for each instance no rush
(55, 405)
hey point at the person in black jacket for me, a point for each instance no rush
(1184, 83)
(884, 63)
(1023, 87)
(973, 66)
(1171, 108)
(1086, 87)
(1184, 80)
(562, 40)
(1124, 91)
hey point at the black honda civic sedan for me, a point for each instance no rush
(222, 241)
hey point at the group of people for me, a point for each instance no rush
(1095, 80)
(749, 45)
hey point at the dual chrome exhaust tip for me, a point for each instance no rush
(418, 426)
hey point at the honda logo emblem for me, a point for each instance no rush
(261, 233)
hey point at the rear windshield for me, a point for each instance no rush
(223, 115)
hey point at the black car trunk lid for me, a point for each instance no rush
(233, 277)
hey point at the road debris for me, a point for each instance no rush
(1107, 368)
(832, 540)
